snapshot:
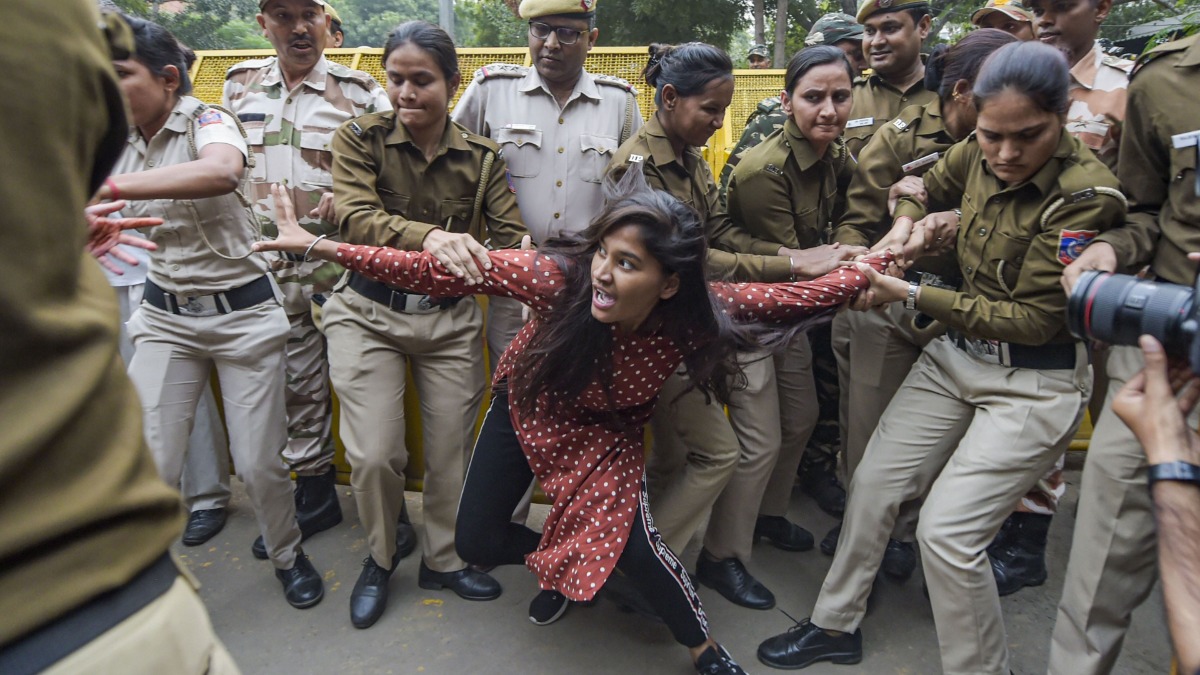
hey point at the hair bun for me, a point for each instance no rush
(653, 67)
(935, 67)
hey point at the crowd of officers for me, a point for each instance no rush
(522, 162)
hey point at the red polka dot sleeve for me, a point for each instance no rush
(783, 301)
(532, 279)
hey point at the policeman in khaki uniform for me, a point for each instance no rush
(1112, 568)
(990, 405)
(85, 513)
(695, 448)
(389, 192)
(558, 126)
(290, 105)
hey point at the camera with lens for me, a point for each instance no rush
(1118, 308)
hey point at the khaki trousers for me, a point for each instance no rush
(773, 418)
(1113, 564)
(309, 450)
(974, 436)
(371, 349)
(694, 455)
(172, 360)
(172, 634)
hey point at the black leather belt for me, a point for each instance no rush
(51, 643)
(1042, 357)
(243, 297)
(396, 299)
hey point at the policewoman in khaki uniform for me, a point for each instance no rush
(787, 190)
(883, 344)
(208, 301)
(989, 406)
(1113, 566)
(695, 449)
(413, 180)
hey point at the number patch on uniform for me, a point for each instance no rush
(1072, 242)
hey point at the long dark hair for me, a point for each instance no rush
(1038, 71)
(947, 65)
(688, 67)
(573, 348)
(157, 48)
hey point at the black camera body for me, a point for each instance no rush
(1118, 308)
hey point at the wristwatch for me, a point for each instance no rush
(910, 302)
(1182, 472)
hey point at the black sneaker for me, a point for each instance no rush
(899, 560)
(548, 607)
(716, 661)
(807, 643)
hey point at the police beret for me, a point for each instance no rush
(263, 3)
(760, 50)
(868, 7)
(333, 13)
(832, 29)
(532, 9)
(1014, 9)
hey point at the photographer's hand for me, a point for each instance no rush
(1099, 256)
(1155, 403)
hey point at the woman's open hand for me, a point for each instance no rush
(292, 238)
(105, 234)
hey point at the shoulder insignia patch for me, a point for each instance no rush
(1081, 195)
(900, 124)
(358, 131)
(500, 70)
(208, 118)
(636, 158)
(771, 168)
(1072, 242)
(613, 81)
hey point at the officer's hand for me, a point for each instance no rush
(1098, 255)
(883, 288)
(459, 253)
(105, 234)
(941, 228)
(1155, 404)
(909, 186)
(811, 263)
(292, 238)
(895, 241)
(324, 209)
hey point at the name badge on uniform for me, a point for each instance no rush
(1185, 140)
(635, 158)
(521, 127)
(920, 162)
(860, 122)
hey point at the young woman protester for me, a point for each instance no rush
(785, 190)
(208, 300)
(410, 178)
(696, 447)
(1001, 393)
(883, 345)
(615, 313)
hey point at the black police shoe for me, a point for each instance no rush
(467, 583)
(716, 661)
(830, 542)
(1020, 560)
(370, 594)
(806, 643)
(820, 482)
(899, 560)
(317, 508)
(302, 586)
(406, 535)
(548, 607)
(783, 533)
(730, 578)
(203, 525)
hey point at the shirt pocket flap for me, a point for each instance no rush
(317, 140)
(456, 214)
(519, 137)
(603, 145)
(393, 203)
(254, 135)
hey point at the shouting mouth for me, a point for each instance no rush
(602, 300)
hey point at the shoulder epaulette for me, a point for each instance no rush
(479, 140)
(252, 64)
(1165, 48)
(614, 81)
(500, 70)
(1117, 62)
(343, 72)
(365, 124)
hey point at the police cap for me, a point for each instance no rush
(832, 29)
(867, 8)
(1014, 9)
(532, 9)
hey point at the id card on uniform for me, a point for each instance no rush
(521, 127)
(860, 122)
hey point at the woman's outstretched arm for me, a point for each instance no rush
(799, 299)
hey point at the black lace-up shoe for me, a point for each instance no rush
(783, 533)
(317, 508)
(716, 661)
(370, 594)
(203, 525)
(302, 585)
(899, 560)
(467, 583)
(830, 542)
(806, 643)
(730, 578)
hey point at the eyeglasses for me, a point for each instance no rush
(566, 36)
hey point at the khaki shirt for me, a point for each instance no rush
(1014, 241)
(84, 510)
(557, 156)
(386, 194)
(1158, 164)
(784, 193)
(1098, 88)
(909, 145)
(183, 263)
(290, 133)
(733, 253)
(876, 102)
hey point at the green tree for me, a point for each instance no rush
(640, 22)
(490, 23)
(368, 22)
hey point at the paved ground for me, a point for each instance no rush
(436, 632)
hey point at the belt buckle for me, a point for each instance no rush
(421, 304)
(931, 279)
(198, 306)
(990, 351)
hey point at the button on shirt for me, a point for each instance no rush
(557, 156)
(183, 263)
